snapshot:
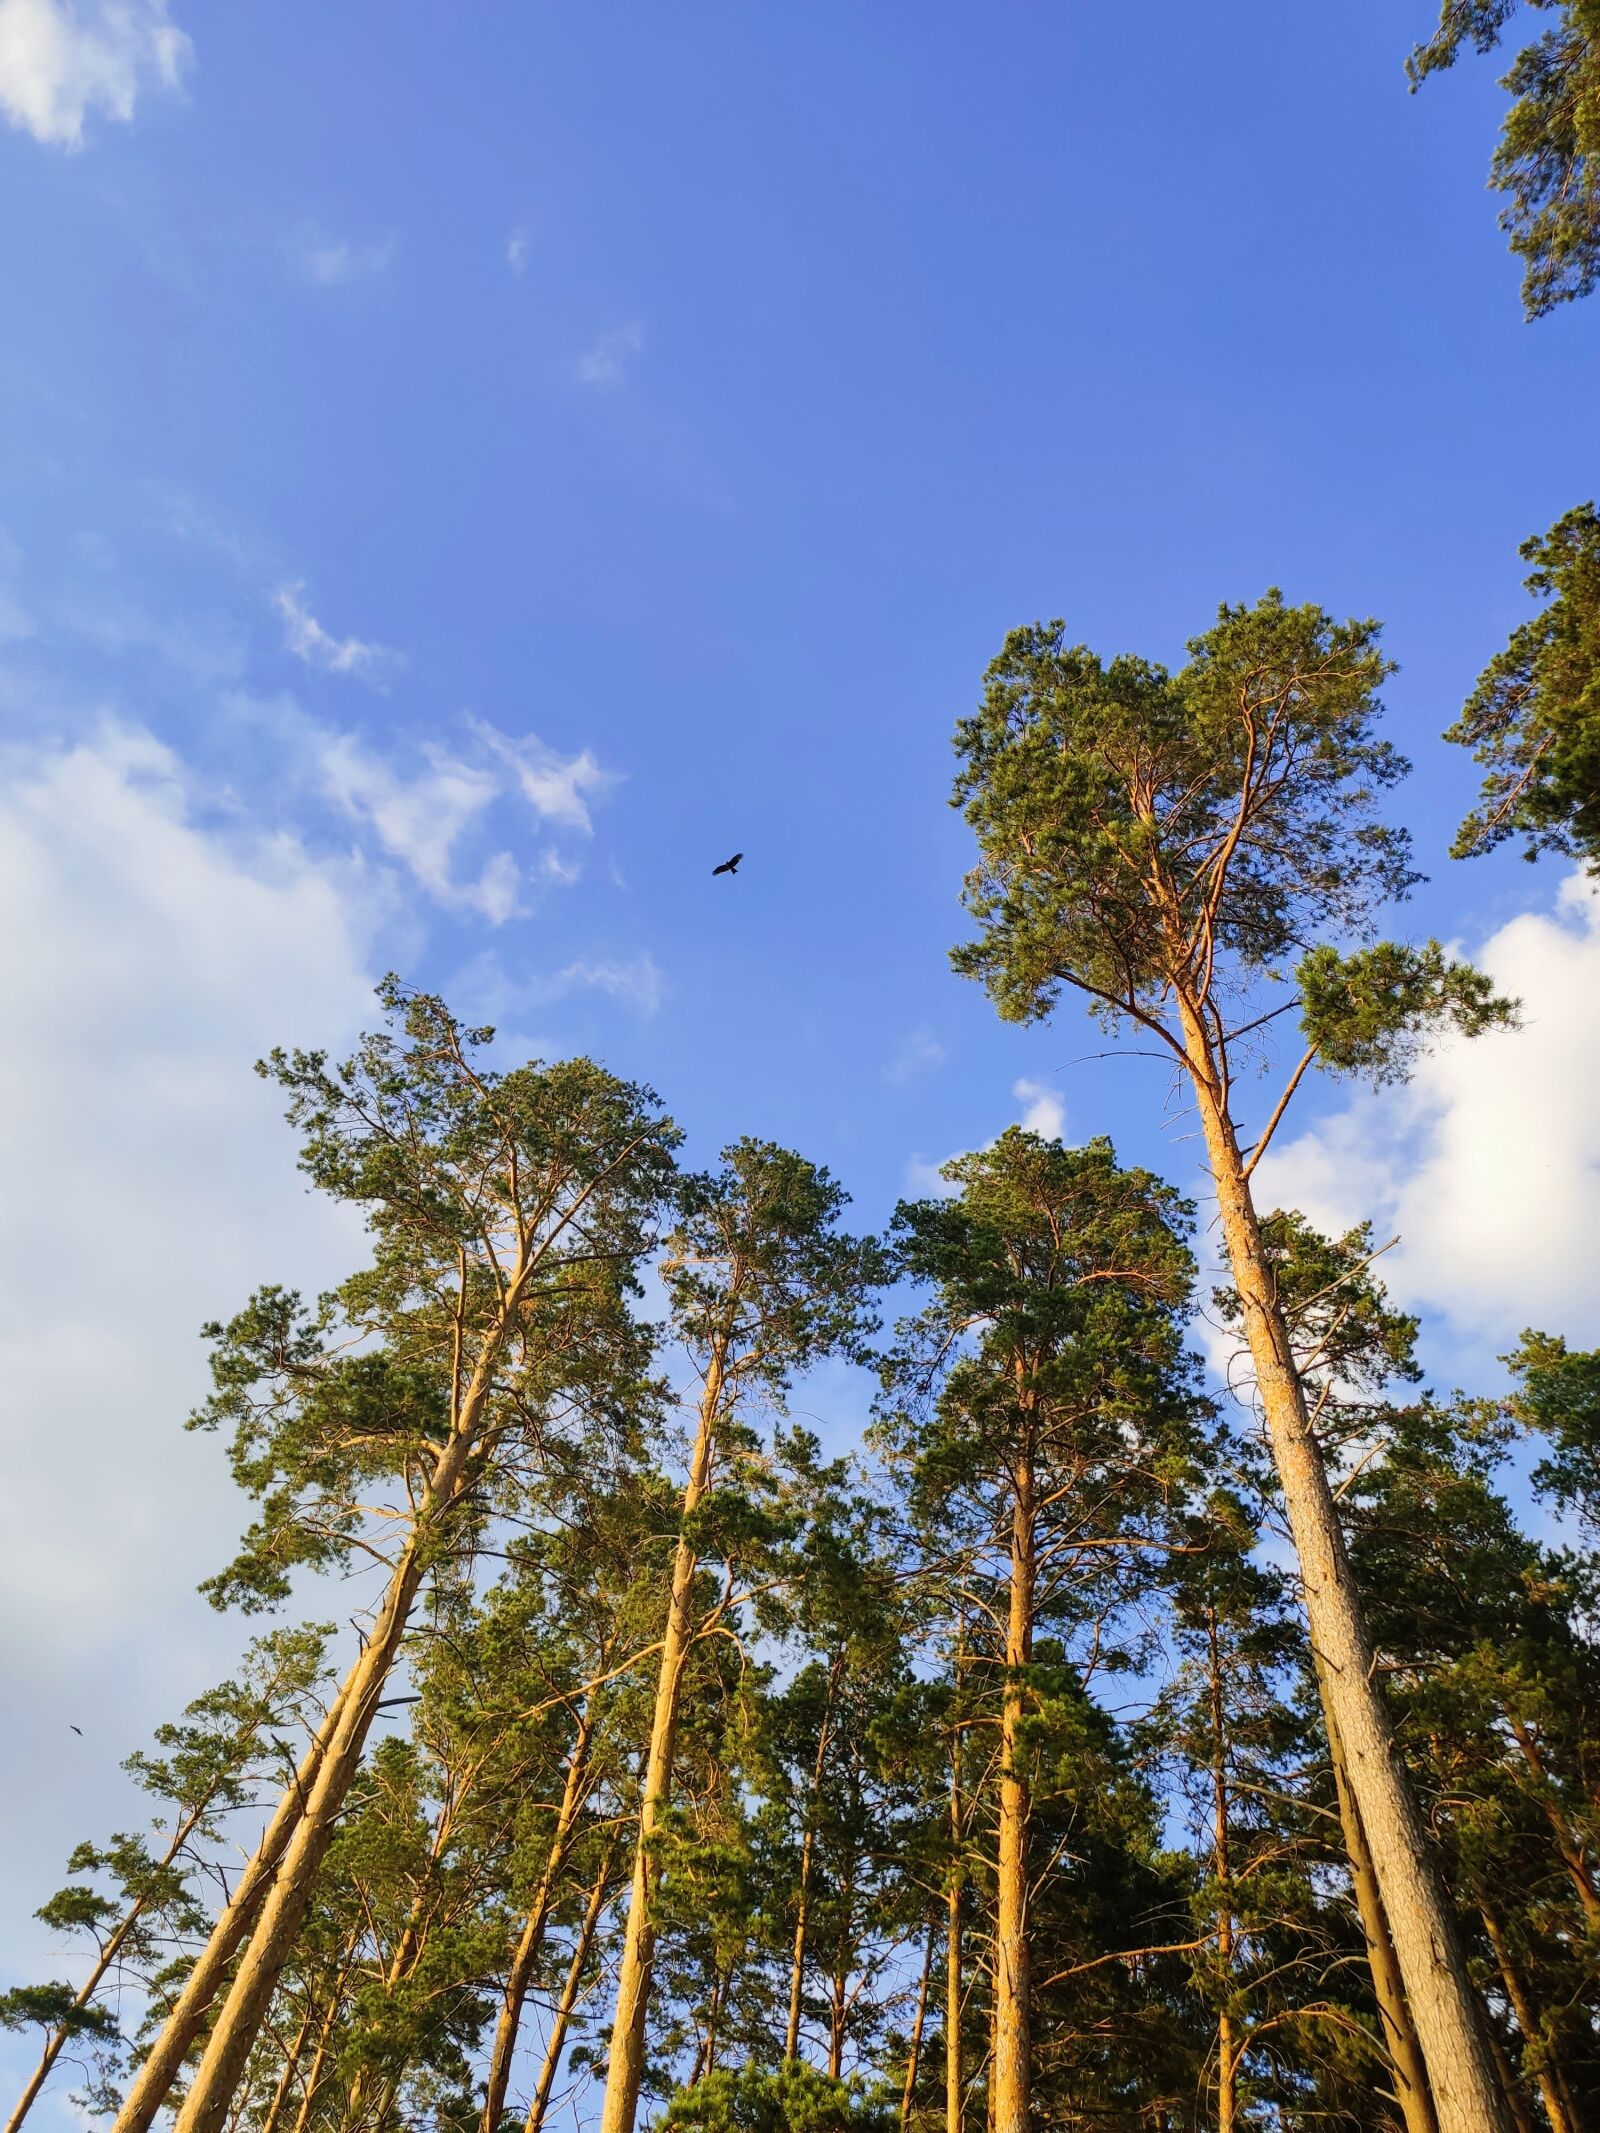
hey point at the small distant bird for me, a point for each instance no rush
(76, 1729)
(728, 866)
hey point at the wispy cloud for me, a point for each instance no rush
(421, 820)
(517, 252)
(606, 363)
(637, 982)
(333, 263)
(59, 62)
(1043, 1111)
(916, 1054)
(553, 785)
(305, 636)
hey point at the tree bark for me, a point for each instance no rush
(797, 1967)
(1400, 2037)
(1222, 1867)
(531, 1939)
(955, 2109)
(57, 2042)
(914, 2047)
(152, 2084)
(568, 2001)
(1547, 2072)
(625, 2070)
(1009, 2078)
(1569, 1848)
(1427, 1943)
(284, 1908)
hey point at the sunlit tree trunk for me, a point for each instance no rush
(625, 2070)
(1553, 2092)
(531, 1939)
(914, 2045)
(571, 1989)
(1427, 1944)
(1009, 2072)
(291, 2066)
(797, 1963)
(1569, 1849)
(954, 2081)
(319, 2058)
(1400, 2037)
(1222, 1870)
(284, 1907)
(114, 1943)
(185, 2019)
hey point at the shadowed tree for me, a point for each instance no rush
(1174, 846)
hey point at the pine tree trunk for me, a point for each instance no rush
(313, 2081)
(1427, 1942)
(255, 1979)
(291, 2066)
(1516, 2102)
(1569, 1848)
(58, 2040)
(797, 1963)
(568, 2001)
(914, 2046)
(1552, 2087)
(1222, 1868)
(1012, 1983)
(1400, 2038)
(625, 2070)
(531, 1939)
(955, 2109)
(152, 2084)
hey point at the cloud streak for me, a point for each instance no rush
(305, 637)
(609, 360)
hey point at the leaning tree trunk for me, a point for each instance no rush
(205, 2108)
(1427, 1943)
(1547, 2072)
(625, 2072)
(567, 2004)
(526, 1954)
(1400, 2036)
(1010, 2077)
(914, 2044)
(152, 2084)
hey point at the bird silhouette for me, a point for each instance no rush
(728, 866)
(76, 1729)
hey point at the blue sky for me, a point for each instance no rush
(466, 471)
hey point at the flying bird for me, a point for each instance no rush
(76, 1729)
(728, 866)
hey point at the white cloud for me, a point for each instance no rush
(606, 363)
(924, 1180)
(1045, 1113)
(517, 252)
(553, 785)
(420, 820)
(150, 1186)
(331, 264)
(305, 636)
(638, 982)
(58, 62)
(916, 1054)
(1488, 1162)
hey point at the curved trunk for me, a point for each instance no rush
(625, 2071)
(1427, 1943)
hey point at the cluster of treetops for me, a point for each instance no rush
(1089, 1752)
